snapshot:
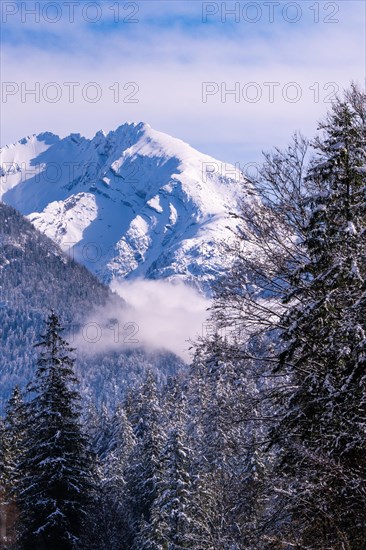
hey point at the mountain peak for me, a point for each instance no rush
(148, 204)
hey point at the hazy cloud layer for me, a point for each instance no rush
(169, 53)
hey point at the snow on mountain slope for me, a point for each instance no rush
(133, 203)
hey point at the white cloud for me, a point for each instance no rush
(157, 315)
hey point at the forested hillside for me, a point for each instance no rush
(35, 277)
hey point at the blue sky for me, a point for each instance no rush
(173, 64)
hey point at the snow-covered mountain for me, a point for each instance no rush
(132, 203)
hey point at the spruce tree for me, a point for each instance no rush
(109, 519)
(144, 470)
(321, 431)
(12, 447)
(3, 486)
(15, 426)
(55, 475)
(228, 482)
(174, 518)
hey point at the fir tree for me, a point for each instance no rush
(55, 475)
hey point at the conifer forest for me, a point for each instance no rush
(258, 442)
